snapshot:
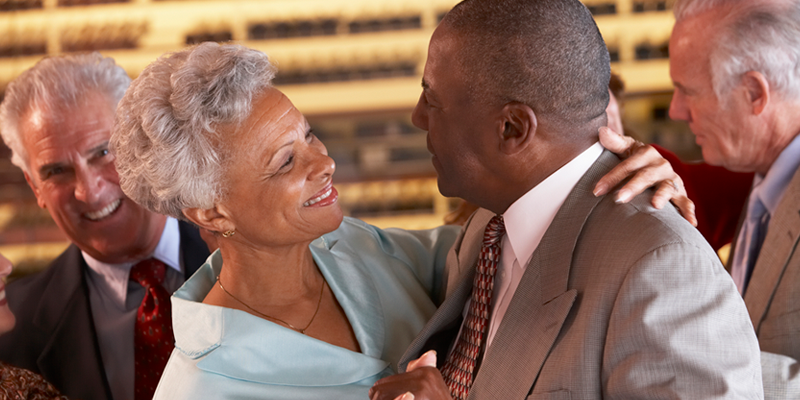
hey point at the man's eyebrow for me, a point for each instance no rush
(47, 167)
(102, 146)
(429, 93)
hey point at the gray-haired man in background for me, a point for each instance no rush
(736, 69)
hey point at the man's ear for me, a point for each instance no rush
(519, 127)
(214, 219)
(35, 189)
(757, 90)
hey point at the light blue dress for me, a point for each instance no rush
(387, 281)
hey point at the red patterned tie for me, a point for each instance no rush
(459, 369)
(153, 339)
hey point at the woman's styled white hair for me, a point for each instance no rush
(169, 147)
(757, 35)
(55, 85)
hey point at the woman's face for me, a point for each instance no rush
(6, 317)
(279, 177)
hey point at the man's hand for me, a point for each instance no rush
(646, 168)
(421, 381)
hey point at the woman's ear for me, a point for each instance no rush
(214, 219)
(519, 127)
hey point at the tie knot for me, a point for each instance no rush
(756, 209)
(494, 231)
(148, 272)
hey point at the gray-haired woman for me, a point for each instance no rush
(297, 302)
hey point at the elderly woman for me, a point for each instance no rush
(297, 302)
(17, 383)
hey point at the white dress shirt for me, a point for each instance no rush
(115, 301)
(526, 221)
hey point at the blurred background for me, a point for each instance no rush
(353, 67)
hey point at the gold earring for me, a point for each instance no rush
(228, 234)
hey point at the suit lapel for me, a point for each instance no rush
(463, 255)
(66, 315)
(446, 317)
(461, 262)
(542, 301)
(779, 246)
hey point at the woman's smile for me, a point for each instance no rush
(326, 197)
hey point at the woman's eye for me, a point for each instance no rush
(288, 161)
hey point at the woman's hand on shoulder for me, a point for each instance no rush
(644, 167)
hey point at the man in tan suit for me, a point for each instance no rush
(736, 69)
(590, 299)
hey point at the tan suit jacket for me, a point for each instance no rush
(773, 298)
(617, 302)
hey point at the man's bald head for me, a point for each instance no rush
(547, 54)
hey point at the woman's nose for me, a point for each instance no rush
(323, 166)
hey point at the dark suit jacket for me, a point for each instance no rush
(55, 335)
(619, 301)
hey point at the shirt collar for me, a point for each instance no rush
(113, 278)
(528, 218)
(770, 187)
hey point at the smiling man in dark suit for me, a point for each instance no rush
(85, 323)
(555, 293)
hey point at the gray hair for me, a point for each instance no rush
(547, 54)
(55, 85)
(169, 147)
(761, 35)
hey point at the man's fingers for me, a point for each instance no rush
(426, 360)
(425, 383)
(405, 396)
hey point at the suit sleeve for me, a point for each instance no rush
(781, 376)
(679, 329)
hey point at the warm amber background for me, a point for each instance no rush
(352, 66)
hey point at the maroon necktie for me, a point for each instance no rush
(459, 369)
(153, 339)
